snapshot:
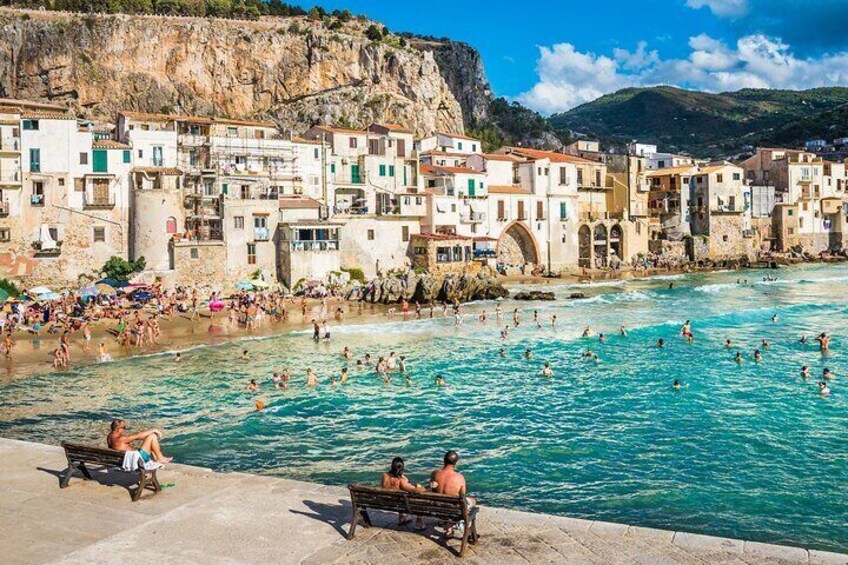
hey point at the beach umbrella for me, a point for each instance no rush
(89, 292)
(35, 291)
(4, 296)
(104, 288)
(244, 285)
(113, 283)
(259, 283)
(49, 296)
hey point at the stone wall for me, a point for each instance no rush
(200, 264)
(814, 242)
(726, 239)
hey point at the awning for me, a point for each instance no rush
(477, 206)
(441, 207)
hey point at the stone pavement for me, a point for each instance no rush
(209, 517)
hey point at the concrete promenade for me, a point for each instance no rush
(208, 517)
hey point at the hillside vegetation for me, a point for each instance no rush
(708, 124)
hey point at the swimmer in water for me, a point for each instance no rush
(346, 352)
(686, 329)
(827, 375)
(728, 344)
(823, 389)
(344, 375)
(178, 357)
(677, 385)
(589, 354)
(502, 352)
(245, 355)
(311, 378)
(765, 344)
(803, 339)
(757, 356)
(547, 371)
(440, 381)
(553, 321)
(601, 338)
(623, 331)
(824, 342)
(587, 332)
(805, 372)
(739, 358)
(774, 319)
(253, 386)
(660, 342)
(528, 354)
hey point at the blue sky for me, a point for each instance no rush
(554, 55)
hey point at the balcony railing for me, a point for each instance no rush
(727, 208)
(10, 176)
(52, 249)
(349, 179)
(325, 245)
(261, 234)
(10, 144)
(36, 200)
(472, 218)
(351, 210)
(90, 202)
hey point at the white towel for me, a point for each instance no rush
(133, 460)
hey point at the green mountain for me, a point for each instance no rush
(709, 124)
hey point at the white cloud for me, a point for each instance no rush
(568, 77)
(725, 8)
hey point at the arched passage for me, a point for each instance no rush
(584, 237)
(616, 241)
(601, 242)
(517, 246)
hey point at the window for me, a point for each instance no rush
(157, 156)
(99, 234)
(401, 148)
(420, 250)
(101, 160)
(789, 212)
(790, 231)
(474, 148)
(195, 253)
(127, 157)
(521, 210)
(5, 234)
(471, 187)
(719, 178)
(171, 225)
(238, 222)
(140, 154)
(37, 194)
(806, 206)
(61, 182)
(540, 210)
(801, 222)
(598, 181)
(83, 158)
(30, 124)
(737, 176)
(370, 235)
(453, 208)
(333, 168)
(563, 175)
(563, 210)
(382, 170)
(501, 210)
(232, 131)
(251, 253)
(404, 233)
(315, 153)
(391, 170)
(35, 160)
(724, 237)
(353, 142)
(459, 145)
(580, 177)
(373, 146)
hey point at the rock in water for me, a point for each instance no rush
(535, 295)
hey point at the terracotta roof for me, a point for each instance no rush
(500, 157)
(299, 139)
(715, 168)
(485, 238)
(668, 171)
(457, 136)
(19, 104)
(393, 127)
(440, 236)
(46, 115)
(160, 170)
(245, 123)
(9, 122)
(536, 154)
(509, 189)
(109, 144)
(332, 129)
(291, 202)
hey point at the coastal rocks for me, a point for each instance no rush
(425, 289)
(576, 296)
(535, 295)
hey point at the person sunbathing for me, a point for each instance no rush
(448, 480)
(395, 479)
(149, 448)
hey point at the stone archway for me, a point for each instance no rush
(517, 246)
(616, 241)
(584, 237)
(600, 244)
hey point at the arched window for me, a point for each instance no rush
(171, 225)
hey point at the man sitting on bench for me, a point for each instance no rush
(448, 480)
(149, 448)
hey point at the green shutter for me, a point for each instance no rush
(470, 187)
(354, 174)
(35, 160)
(100, 161)
(459, 145)
(127, 157)
(382, 170)
(563, 210)
(224, 188)
(391, 170)
(333, 168)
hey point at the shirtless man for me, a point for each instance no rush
(448, 480)
(149, 442)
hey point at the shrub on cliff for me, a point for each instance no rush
(119, 269)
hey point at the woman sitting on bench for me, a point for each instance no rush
(394, 479)
(149, 439)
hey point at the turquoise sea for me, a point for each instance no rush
(747, 451)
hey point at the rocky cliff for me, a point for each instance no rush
(292, 70)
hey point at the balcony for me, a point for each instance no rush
(727, 209)
(349, 179)
(10, 177)
(4, 209)
(47, 249)
(10, 144)
(261, 234)
(191, 140)
(36, 201)
(90, 202)
(322, 245)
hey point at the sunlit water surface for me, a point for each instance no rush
(749, 451)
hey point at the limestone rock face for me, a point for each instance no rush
(426, 288)
(295, 75)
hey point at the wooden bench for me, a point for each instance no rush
(78, 455)
(427, 504)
